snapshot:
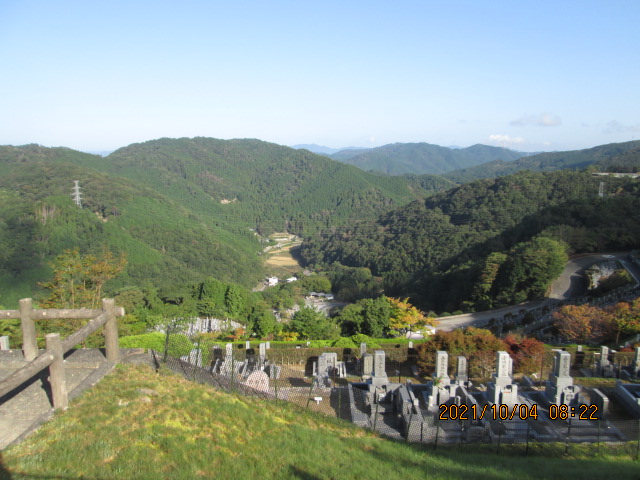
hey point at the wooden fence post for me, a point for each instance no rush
(57, 378)
(111, 344)
(29, 343)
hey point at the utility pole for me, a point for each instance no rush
(77, 198)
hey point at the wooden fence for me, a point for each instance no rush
(53, 356)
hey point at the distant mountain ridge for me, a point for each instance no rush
(618, 156)
(322, 150)
(423, 158)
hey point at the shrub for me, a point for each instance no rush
(344, 342)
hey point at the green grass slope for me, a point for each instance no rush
(189, 431)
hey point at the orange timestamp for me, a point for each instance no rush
(520, 411)
(566, 412)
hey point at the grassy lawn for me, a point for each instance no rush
(180, 430)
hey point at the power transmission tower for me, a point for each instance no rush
(77, 197)
(601, 190)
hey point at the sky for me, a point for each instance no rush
(529, 75)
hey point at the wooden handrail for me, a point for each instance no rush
(25, 373)
(53, 357)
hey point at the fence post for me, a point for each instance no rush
(111, 331)
(638, 446)
(29, 343)
(57, 378)
(166, 342)
(566, 450)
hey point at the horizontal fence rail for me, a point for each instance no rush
(53, 356)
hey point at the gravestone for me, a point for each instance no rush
(274, 371)
(363, 349)
(604, 367)
(502, 390)
(326, 367)
(410, 344)
(258, 380)
(379, 377)
(262, 355)
(636, 362)
(442, 368)
(226, 368)
(560, 389)
(268, 345)
(367, 366)
(194, 357)
(247, 345)
(462, 376)
(4, 342)
(441, 388)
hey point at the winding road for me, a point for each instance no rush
(571, 283)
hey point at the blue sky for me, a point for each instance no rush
(534, 75)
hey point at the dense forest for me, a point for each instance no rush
(181, 209)
(165, 243)
(487, 243)
(262, 185)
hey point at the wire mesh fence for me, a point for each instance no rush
(396, 414)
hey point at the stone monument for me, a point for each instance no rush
(442, 390)
(462, 376)
(379, 376)
(502, 390)
(560, 389)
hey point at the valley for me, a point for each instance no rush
(449, 248)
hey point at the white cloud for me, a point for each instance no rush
(505, 140)
(541, 120)
(615, 126)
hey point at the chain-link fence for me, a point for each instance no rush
(402, 411)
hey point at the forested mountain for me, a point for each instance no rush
(476, 246)
(166, 244)
(181, 209)
(618, 157)
(259, 184)
(421, 158)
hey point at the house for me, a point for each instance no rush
(291, 279)
(273, 281)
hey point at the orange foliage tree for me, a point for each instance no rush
(583, 323)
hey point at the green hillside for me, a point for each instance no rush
(166, 243)
(617, 157)
(422, 158)
(181, 209)
(439, 250)
(263, 185)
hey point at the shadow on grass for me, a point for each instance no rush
(4, 473)
(484, 463)
(296, 472)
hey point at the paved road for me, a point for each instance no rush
(572, 282)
